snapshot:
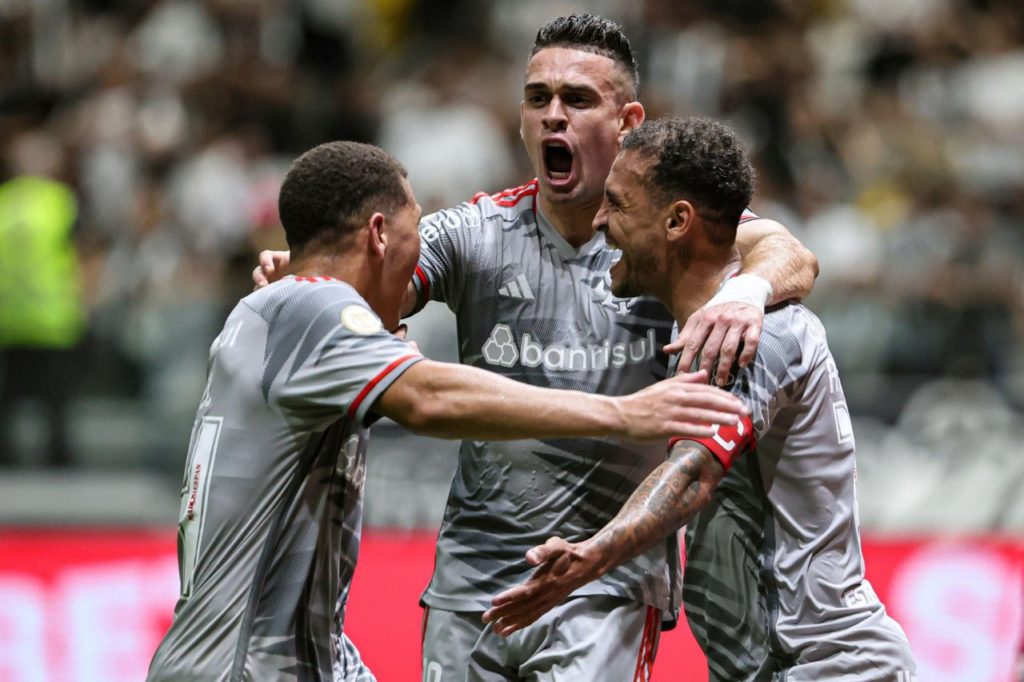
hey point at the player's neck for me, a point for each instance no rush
(324, 265)
(575, 222)
(694, 284)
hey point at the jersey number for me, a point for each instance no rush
(194, 492)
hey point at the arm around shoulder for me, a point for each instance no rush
(771, 252)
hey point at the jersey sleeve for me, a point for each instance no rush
(448, 240)
(766, 386)
(748, 215)
(344, 361)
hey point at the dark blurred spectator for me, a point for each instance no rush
(41, 315)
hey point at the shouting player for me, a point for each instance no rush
(272, 494)
(774, 585)
(526, 275)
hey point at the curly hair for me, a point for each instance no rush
(593, 34)
(699, 160)
(332, 188)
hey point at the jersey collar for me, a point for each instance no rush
(566, 250)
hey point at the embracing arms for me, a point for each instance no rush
(455, 401)
(781, 268)
(665, 501)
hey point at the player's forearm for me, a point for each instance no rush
(453, 401)
(772, 253)
(663, 503)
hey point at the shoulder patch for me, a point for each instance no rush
(358, 319)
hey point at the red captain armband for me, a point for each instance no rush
(728, 442)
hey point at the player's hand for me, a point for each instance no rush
(563, 567)
(401, 331)
(719, 330)
(271, 268)
(684, 405)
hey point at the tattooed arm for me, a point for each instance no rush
(666, 500)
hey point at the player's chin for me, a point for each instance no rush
(619, 284)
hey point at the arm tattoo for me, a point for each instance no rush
(665, 501)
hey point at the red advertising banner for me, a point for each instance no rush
(78, 606)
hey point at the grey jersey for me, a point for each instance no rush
(535, 309)
(272, 495)
(774, 585)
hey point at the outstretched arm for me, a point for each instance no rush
(665, 501)
(776, 268)
(446, 400)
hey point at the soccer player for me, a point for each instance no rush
(526, 275)
(271, 498)
(774, 585)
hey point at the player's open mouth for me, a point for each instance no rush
(557, 162)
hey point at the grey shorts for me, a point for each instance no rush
(586, 638)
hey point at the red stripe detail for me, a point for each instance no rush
(510, 198)
(728, 443)
(317, 278)
(652, 641)
(478, 196)
(645, 657)
(748, 215)
(354, 407)
(424, 282)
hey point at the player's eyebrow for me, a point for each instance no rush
(567, 88)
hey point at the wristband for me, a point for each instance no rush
(728, 442)
(749, 289)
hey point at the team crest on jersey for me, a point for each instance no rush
(358, 319)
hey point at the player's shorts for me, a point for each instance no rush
(586, 638)
(350, 666)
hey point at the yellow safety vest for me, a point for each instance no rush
(40, 292)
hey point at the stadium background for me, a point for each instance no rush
(889, 136)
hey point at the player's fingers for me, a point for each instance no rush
(698, 377)
(509, 596)
(258, 278)
(690, 429)
(401, 330)
(549, 551)
(751, 338)
(698, 416)
(704, 396)
(268, 261)
(730, 344)
(712, 345)
(692, 337)
(517, 621)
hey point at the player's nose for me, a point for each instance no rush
(554, 118)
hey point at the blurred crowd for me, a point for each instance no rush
(888, 136)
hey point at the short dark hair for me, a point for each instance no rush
(330, 190)
(699, 160)
(590, 33)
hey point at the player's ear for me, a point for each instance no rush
(631, 116)
(377, 235)
(680, 220)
